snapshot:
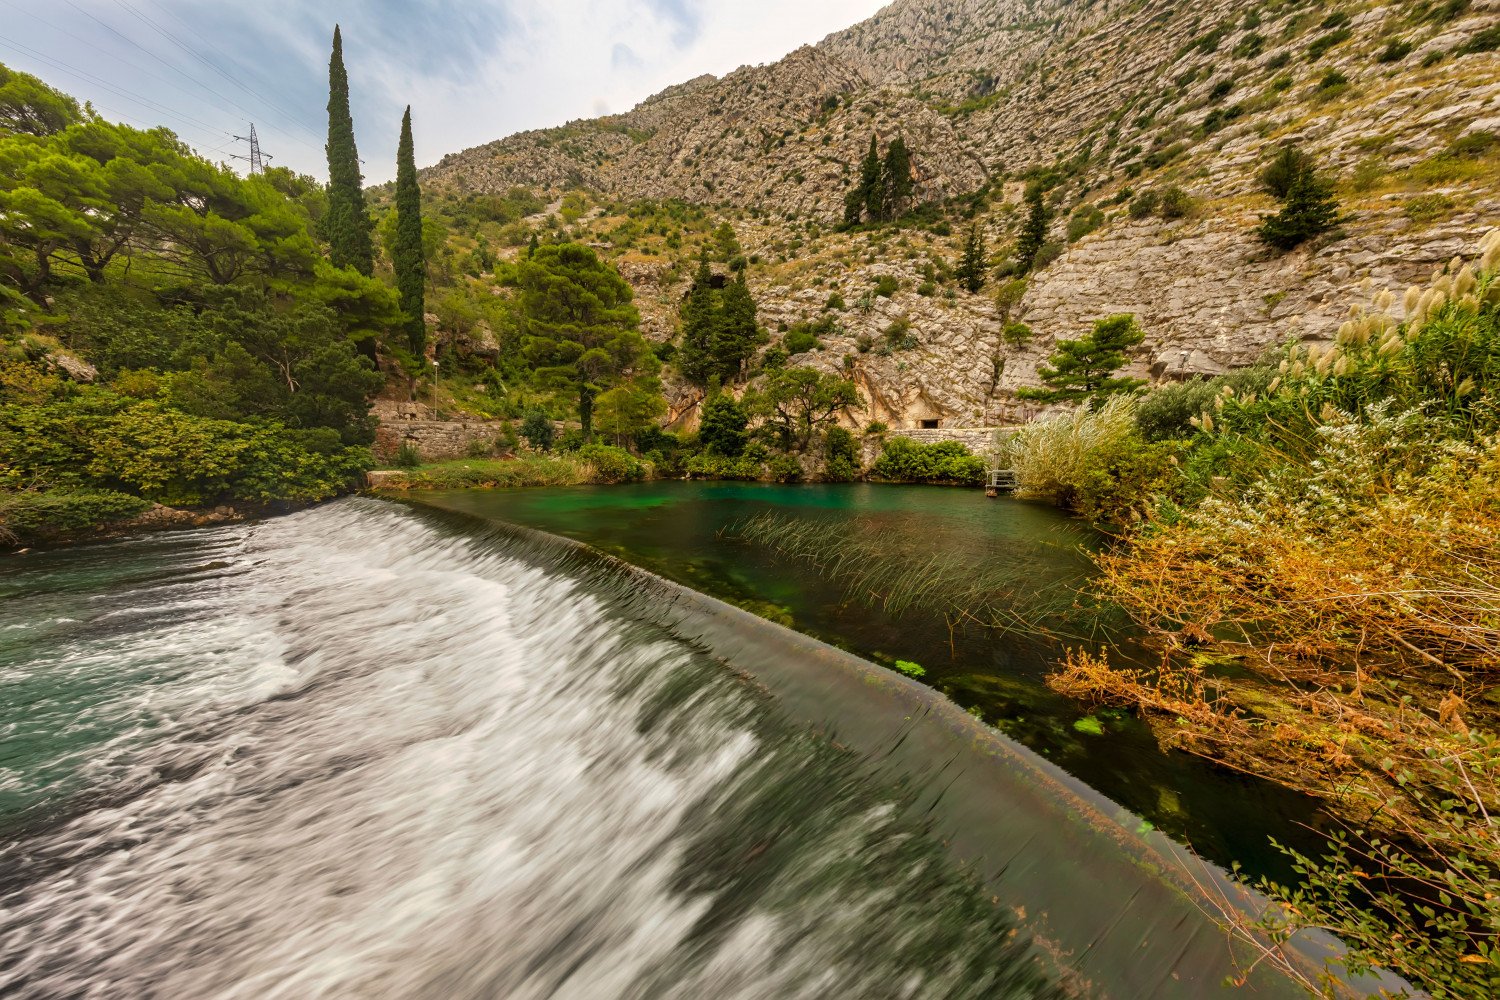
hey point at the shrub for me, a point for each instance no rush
(1168, 411)
(840, 455)
(835, 301)
(1332, 83)
(27, 515)
(1049, 251)
(407, 456)
(1093, 462)
(1395, 50)
(898, 335)
(1250, 46)
(800, 341)
(1009, 294)
(610, 464)
(96, 439)
(905, 460)
(1175, 203)
(784, 469)
(722, 426)
(875, 428)
(1428, 207)
(1084, 220)
(886, 286)
(1144, 204)
(1323, 43)
(537, 429)
(706, 466)
(1487, 40)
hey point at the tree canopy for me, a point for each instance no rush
(407, 252)
(580, 326)
(799, 402)
(347, 226)
(1084, 369)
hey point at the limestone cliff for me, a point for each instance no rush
(1400, 100)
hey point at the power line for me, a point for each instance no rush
(189, 50)
(198, 89)
(314, 129)
(198, 85)
(62, 67)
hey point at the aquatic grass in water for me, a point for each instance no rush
(900, 572)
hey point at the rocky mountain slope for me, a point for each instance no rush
(1400, 100)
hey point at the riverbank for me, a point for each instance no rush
(68, 519)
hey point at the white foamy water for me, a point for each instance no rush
(349, 754)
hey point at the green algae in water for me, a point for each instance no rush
(1089, 724)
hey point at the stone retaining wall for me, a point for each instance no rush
(434, 440)
(979, 440)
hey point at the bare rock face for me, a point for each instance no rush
(1110, 99)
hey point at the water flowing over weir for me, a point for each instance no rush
(372, 751)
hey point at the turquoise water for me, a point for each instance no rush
(686, 531)
(350, 753)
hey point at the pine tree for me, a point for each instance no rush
(407, 255)
(347, 224)
(854, 206)
(1033, 231)
(1084, 369)
(869, 181)
(975, 261)
(895, 180)
(1309, 207)
(531, 246)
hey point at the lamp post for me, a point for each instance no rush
(434, 388)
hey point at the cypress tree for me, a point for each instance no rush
(972, 265)
(411, 268)
(869, 181)
(895, 180)
(347, 224)
(699, 319)
(735, 332)
(1034, 231)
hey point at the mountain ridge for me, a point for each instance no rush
(1114, 99)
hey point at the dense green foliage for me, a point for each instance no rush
(214, 355)
(1033, 231)
(1084, 369)
(974, 263)
(722, 426)
(796, 403)
(1308, 205)
(719, 329)
(907, 461)
(581, 331)
(347, 225)
(883, 191)
(407, 256)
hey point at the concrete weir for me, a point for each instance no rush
(1123, 911)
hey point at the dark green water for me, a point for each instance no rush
(685, 531)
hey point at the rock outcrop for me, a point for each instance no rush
(1107, 100)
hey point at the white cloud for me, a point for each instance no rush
(472, 71)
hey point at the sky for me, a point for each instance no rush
(472, 70)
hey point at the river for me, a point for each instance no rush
(363, 752)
